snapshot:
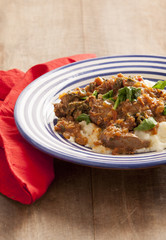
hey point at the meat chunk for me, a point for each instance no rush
(69, 97)
(60, 110)
(118, 84)
(130, 107)
(72, 109)
(121, 139)
(100, 112)
(105, 86)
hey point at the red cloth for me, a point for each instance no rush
(25, 172)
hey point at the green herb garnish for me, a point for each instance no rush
(136, 92)
(125, 93)
(117, 102)
(83, 117)
(129, 93)
(95, 93)
(160, 85)
(146, 124)
(83, 98)
(107, 95)
(164, 112)
(111, 99)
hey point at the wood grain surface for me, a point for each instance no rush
(84, 203)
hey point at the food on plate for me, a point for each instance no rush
(119, 115)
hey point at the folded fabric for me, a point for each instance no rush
(25, 172)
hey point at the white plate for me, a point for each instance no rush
(34, 111)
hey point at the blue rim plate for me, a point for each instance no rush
(34, 111)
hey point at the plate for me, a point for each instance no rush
(34, 111)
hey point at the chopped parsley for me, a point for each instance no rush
(164, 112)
(95, 93)
(146, 124)
(83, 98)
(107, 95)
(83, 117)
(160, 85)
(125, 93)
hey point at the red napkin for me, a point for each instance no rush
(25, 172)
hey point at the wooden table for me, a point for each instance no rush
(84, 203)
